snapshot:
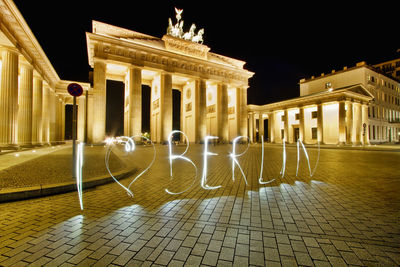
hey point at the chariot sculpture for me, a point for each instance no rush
(177, 29)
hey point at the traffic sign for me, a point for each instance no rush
(75, 89)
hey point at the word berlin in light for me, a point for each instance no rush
(129, 146)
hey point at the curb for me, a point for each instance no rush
(15, 194)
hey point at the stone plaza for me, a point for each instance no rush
(346, 214)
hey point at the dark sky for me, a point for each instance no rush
(281, 41)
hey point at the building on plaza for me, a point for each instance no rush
(356, 105)
(33, 97)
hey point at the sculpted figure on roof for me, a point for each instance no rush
(177, 29)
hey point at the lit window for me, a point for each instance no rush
(314, 133)
(314, 115)
(328, 85)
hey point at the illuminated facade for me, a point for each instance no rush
(213, 87)
(32, 96)
(355, 105)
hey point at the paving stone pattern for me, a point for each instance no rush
(347, 214)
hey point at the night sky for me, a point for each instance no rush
(281, 41)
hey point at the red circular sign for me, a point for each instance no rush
(75, 89)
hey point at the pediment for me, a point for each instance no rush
(360, 89)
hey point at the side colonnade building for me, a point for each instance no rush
(356, 106)
(32, 96)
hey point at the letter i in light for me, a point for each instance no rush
(79, 163)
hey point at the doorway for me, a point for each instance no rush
(146, 94)
(266, 131)
(176, 113)
(68, 121)
(115, 91)
(296, 133)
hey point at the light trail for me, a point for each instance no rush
(205, 155)
(260, 180)
(79, 164)
(181, 156)
(233, 156)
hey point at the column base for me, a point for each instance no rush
(9, 147)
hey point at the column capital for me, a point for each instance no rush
(9, 49)
(25, 64)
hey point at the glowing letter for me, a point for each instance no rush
(181, 156)
(207, 153)
(79, 163)
(260, 180)
(234, 156)
(308, 160)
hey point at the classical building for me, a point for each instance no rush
(32, 96)
(357, 105)
(213, 87)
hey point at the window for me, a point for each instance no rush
(373, 132)
(328, 85)
(314, 133)
(297, 116)
(314, 115)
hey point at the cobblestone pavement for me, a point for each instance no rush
(346, 214)
(55, 167)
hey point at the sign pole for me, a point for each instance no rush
(74, 119)
(75, 90)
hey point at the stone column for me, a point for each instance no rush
(52, 117)
(243, 111)
(45, 114)
(260, 126)
(81, 118)
(165, 106)
(320, 123)
(8, 97)
(286, 126)
(97, 107)
(349, 123)
(25, 105)
(271, 127)
(37, 99)
(62, 120)
(364, 109)
(301, 124)
(222, 113)
(59, 121)
(342, 122)
(357, 120)
(135, 101)
(251, 127)
(200, 110)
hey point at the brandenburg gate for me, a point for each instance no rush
(213, 87)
